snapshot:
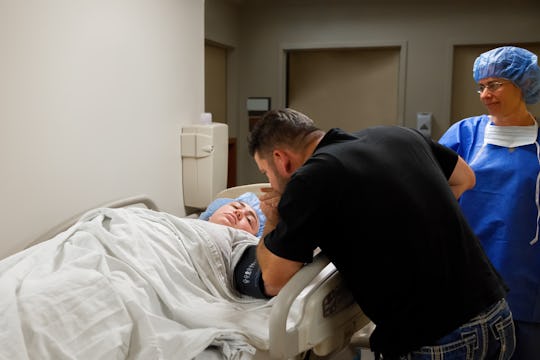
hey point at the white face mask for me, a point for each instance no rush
(511, 136)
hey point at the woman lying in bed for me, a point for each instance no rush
(242, 213)
(135, 283)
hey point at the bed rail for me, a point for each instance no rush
(130, 201)
(329, 316)
(236, 191)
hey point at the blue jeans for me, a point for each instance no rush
(489, 335)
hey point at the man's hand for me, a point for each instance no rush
(269, 203)
(276, 271)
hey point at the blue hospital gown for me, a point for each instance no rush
(503, 209)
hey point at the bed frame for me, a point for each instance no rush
(326, 317)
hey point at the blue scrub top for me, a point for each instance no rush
(503, 209)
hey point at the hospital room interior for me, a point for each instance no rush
(100, 100)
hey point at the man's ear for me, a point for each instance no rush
(283, 163)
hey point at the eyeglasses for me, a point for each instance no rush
(491, 86)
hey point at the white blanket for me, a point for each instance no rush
(130, 284)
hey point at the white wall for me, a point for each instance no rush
(93, 95)
(429, 29)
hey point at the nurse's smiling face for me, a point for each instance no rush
(500, 96)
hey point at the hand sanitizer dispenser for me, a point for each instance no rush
(204, 162)
(423, 123)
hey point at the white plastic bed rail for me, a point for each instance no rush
(130, 201)
(328, 316)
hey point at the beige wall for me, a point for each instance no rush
(93, 95)
(428, 29)
(347, 88)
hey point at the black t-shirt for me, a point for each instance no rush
(378, 204)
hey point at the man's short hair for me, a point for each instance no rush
(284, 127)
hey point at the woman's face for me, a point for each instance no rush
(238, 215)
(503, 101)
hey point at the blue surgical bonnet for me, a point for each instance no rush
(513, 63)
(249, 198)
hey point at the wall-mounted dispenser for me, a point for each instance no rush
(204, 162)
(423, 123)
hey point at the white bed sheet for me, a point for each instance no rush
(130, 283)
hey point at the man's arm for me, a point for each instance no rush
(462, 178)
(276, 271)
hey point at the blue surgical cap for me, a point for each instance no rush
(249, 198)
(513, 63)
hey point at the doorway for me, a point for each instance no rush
(351, 88)
(215, 98)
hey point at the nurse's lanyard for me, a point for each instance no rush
(512, 137)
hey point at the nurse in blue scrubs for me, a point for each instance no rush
(503, 208)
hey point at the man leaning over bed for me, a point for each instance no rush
(381, 204)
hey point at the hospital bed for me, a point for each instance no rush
(313, 313)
